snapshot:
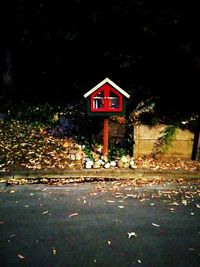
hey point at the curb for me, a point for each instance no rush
(99, 173)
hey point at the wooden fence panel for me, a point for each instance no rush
(145, 137)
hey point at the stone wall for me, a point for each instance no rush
(145, 137)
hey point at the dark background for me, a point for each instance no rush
(55, 51)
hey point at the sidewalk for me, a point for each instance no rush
(101, 173)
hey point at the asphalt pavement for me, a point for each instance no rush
(104, 224)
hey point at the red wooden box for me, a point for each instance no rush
(106, 99)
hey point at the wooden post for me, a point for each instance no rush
(196, 145)
(105, 136)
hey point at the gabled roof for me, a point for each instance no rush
(107, 80)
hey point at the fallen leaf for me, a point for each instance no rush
(174, 204)
(45, 212)
(12, 235)
(184, 202)
(93, 194)
(131, 234)
(21, 256)
(73, 214)
(54, 251)
(156, 225)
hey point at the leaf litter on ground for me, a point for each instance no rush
(25, 146)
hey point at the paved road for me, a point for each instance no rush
(112, 224)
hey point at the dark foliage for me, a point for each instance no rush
(55, 51)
